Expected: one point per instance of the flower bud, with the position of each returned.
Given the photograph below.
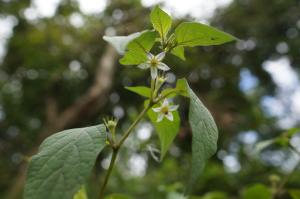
(161, 78)
(111, 125)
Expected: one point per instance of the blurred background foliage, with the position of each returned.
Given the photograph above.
(50, 66)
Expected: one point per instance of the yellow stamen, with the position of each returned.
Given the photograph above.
(165, 110)
(153, 62)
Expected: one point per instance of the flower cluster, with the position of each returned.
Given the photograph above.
(154, 62)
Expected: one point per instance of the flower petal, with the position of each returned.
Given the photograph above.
(153, 72)
(160, 56)
(169, 116)
(150, 56)
(165, 103)
(143, 66)
(173, 107)
(156, 109)
(160, 117)
(163, 66)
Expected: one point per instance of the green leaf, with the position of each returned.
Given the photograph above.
(179, 52)
(118, 196)
(196, 34)
(120, 42)
(204, 136)
(294, 193)
(161, 21)
(141, 90)
(138, 48)
(63, 163)
(257, 191)
(81, 194)
(166, 130)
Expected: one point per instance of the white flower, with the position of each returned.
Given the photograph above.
(154, 63)
(165, 110)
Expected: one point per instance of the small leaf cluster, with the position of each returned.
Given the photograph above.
(187, 34)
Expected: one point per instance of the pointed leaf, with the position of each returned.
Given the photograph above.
(166, 130)
(204, 136)
(138, 48)
(120, 42)
(63, 163)
(197, 34)
(161, 21)
(141, 90)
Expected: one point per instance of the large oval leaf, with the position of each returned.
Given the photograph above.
(204, 136)
(63, 162)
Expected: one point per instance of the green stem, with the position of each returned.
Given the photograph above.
(152, 88)
(136, 121)
(117, 147)
(109, 171)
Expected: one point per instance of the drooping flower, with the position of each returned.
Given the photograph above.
(154, 62)
(165, 110)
